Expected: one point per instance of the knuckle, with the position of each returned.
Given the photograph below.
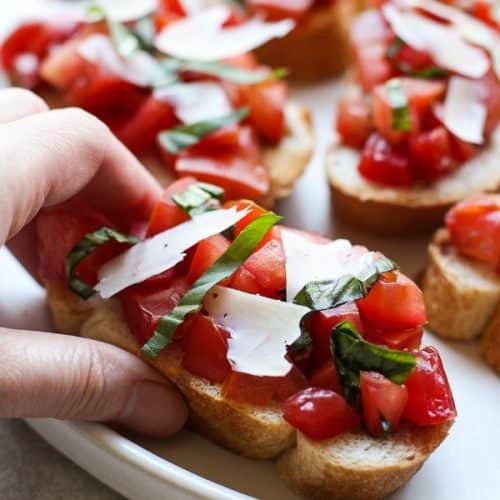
(28, 100)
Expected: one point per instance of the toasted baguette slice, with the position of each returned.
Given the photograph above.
(318, 47)
(352, 465)
(460, 295)
(285, 161)
(405, 211)
(490, 343)
(251, 431)
(356, 466)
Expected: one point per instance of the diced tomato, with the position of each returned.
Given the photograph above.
(321, 324)
(141, 129)
(166, 213)
(474, 228)
(245, 281)
(325, 376)
(205, 350)
(254, 211)
(483, 10)
(238, 171)
(266, 102)
(206, 253)
(385, 164)
(267, 265)
(34, 39)
(144, 305)
(489, 90)
(421, 95)
(430, 401)
(381, 399)
(354, 122)
(174, 6)
(408, 59)
(372, 65)
(223, 138)
(276, 10)
(462, 151)
(261, 391)
(320, 413)
(432, 154)
(394, 303)
(59, 230)
(408, 339)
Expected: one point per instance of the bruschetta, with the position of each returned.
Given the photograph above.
(285, 344)
(205, 107)
(417, 129)
(461, 285)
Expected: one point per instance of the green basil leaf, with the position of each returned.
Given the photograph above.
(199, 198)
(124, 40)
(319, 295)
(223, 71)
(352, 354)
(237, 253)
(83, 249)
(429, 73)
(179, 138)
(394, 48)
(144, 30)
(399, 104)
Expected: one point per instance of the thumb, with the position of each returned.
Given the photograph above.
(59, 376)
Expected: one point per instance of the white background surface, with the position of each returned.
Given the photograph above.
(466, 466)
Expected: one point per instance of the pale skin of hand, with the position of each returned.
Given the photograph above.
(46, 158)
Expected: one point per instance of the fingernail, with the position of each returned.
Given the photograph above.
(154, 409)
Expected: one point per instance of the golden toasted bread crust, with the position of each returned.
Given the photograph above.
(490, 343)
(460, 295)
(318, 47)
(405, 211)
(357, 466)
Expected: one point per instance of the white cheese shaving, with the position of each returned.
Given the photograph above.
(161, 252)
(309, 261)
(194, 102)
(260, 328)
(139, 68)
(202, 36)
(129, 10)
(444, 43)
(191, 7)
(464, 111)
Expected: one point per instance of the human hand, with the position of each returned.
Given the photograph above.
(46, 158)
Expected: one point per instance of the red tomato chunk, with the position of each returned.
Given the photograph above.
(320, 413)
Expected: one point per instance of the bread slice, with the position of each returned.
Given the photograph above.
(318, 48)
(490, 343)
(352, 465)
(461, 295)
(285, 161)
(357, 466)
(405, 211)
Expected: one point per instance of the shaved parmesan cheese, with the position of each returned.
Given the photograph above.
(139, 68)
(191, 7)
(443, 43)
(202, 36)
(129, 10)
(99, 49)
(195, 102)
(260, 328)
(464, 110)
(161, 252)
(309, 261)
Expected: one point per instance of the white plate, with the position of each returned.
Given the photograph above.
(466, 466)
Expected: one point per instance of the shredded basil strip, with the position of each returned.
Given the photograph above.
(124, 40)
(237, 253)
(352, 354)
(224, 71)
(199, 198)
(144, 30)
(179, 138)
(399, 104)
(320, 295)
(83, 249)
